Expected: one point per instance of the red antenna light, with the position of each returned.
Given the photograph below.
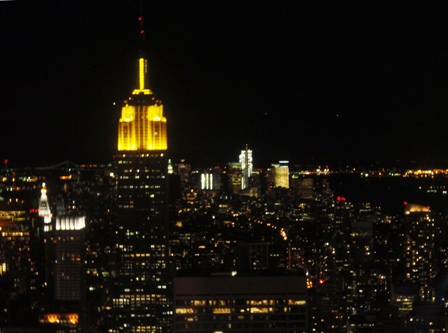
(142, 32)
(140, 18)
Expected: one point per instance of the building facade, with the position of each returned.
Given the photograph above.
(280, 174)
(142, 291)
(245, 159)
(419, 250)
(256, 303)
(68, 266)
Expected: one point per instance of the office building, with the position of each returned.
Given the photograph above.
(234, 303)
(253, 256)
(233, 173)
(280, 174)
(419, 250)
(142, 295)
(18, 266)
(63, 270)
(68, 267)
(210, 179)
(246, 167)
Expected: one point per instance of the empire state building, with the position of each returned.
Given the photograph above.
(142, 291)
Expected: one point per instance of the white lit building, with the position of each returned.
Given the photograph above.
(44, 208)
(69, 245)
(246, 167)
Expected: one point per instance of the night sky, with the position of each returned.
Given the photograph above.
(305, 81)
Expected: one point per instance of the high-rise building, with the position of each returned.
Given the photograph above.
(69, 243)
(246, 167)
(63, 269)
(63, 308)
(233, 171)
(419, 248)
(211, 179)
(142, 295)
(18, 268)
(280, 174)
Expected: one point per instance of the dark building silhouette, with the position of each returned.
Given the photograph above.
(241, 303)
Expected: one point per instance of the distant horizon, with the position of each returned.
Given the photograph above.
(338, 165)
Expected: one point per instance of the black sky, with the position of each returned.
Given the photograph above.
(301, 80)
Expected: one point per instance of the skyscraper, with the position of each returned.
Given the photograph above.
(280, 174)
(419, 250)
(68, 243)
(142, 295)
(246, 167)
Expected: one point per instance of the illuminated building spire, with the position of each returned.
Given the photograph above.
(142, 66)
(142, 126)
(44, 207)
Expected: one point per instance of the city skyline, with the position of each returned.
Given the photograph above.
(145, 245)
(321, 82)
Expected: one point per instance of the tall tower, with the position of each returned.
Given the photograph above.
(246, 167)
(142, 298)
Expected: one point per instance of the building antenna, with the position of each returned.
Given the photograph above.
(142, 67)
(142, 28)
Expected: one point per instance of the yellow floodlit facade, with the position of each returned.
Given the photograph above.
(142, 126)
(415, 208)
(60, 318)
